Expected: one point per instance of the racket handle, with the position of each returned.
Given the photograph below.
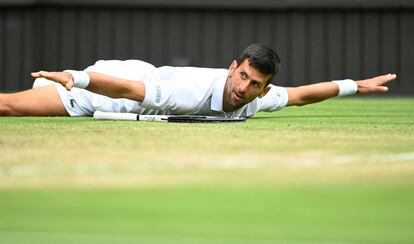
(114, 116)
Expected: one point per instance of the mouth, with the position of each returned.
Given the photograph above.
(237, 97)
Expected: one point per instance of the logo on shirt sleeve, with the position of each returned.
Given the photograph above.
(158, 94)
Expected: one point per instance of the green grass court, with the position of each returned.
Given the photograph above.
(340, 172)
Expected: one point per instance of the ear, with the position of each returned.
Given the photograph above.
(233, 66)
(265, 91)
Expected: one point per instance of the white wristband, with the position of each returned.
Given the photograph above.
(81, 79)
(346, 87)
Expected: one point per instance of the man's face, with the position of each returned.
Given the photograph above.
(244, 83)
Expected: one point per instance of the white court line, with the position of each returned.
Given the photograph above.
(402, 156)
(397, 157)
(30, 170)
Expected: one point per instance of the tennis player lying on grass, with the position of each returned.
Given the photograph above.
(139, 87)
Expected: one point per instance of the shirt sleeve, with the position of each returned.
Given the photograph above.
(275, 99)
(177, 95)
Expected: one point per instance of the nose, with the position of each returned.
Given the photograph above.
(243, 87)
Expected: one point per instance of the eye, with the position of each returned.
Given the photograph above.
(243, 75)
(256, 84)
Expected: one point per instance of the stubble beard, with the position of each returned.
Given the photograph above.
(228, 103)
(232, 103)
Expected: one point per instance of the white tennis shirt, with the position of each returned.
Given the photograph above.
(179, 90)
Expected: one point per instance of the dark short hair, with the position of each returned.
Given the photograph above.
(262, 58)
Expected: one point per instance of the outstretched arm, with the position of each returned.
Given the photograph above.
(318, 92)
(99, 83)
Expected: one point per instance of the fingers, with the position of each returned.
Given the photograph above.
(390, 77)
(376, 89)
(63, 78)
(42, 74)
(385, 79)
(69, 86)
(393, 76)
(375, 84)
(382, 89)
(36, 74)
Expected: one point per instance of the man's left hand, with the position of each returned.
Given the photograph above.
(375, 84)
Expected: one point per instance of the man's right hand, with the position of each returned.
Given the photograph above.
(63, 78)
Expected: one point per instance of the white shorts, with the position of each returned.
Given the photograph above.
(80, 102)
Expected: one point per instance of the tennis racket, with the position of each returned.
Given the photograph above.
(165, 118)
